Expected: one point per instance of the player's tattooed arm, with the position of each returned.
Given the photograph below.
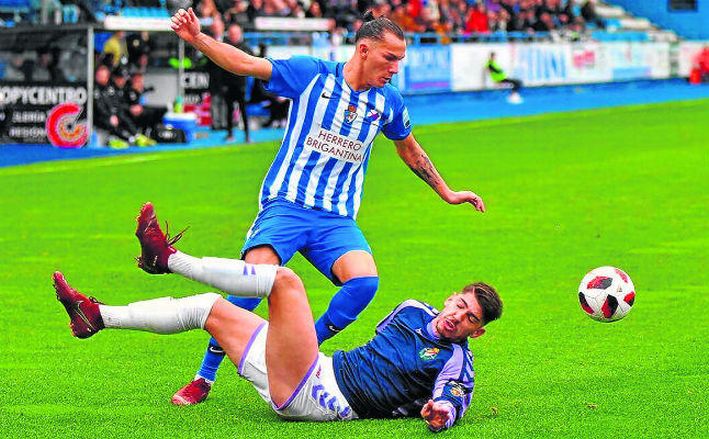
(416, 158)
(422, 166)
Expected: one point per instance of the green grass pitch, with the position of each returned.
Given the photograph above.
(565, 193)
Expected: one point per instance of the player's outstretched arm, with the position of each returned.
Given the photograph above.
(415, 157)
(186, 26)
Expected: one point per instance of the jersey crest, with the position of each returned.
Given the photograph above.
(427, 354)
(350, 114)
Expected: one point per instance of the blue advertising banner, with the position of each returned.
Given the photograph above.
(427, 68)
(541, 64)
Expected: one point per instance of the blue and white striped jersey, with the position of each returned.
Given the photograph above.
(324, 154)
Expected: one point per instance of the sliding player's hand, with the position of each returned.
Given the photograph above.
(435, 415)
(467, 197)
(185, 24)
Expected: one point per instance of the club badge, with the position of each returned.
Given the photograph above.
(428, 353)
(350, 114)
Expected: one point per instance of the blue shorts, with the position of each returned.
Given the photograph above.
(321, 237)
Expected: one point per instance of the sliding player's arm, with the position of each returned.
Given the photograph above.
(186, 26)
(416, 158)
(452, 392)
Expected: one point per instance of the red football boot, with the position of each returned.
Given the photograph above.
(85, 317)
(156, 246)
(193, 393)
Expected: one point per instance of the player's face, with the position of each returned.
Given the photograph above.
(460, 318)
(381, 58)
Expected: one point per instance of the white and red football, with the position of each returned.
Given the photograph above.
(606, 294)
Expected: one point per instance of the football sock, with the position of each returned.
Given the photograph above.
(346, 305)
(214, 355)
(232, 276)
(166, 315)
(212, 360)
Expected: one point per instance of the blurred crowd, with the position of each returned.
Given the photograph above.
(445, 17)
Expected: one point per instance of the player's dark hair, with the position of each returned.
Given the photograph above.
(488, 299)
(374, 28)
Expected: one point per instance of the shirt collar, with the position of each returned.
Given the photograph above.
(428, 330)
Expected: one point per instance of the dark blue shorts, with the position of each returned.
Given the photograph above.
(321, 237)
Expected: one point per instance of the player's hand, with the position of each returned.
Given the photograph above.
(113, 120)
(466, 197)
(185, 24)
(435, 415)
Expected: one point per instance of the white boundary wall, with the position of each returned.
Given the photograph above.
(688, 52)
(460, 67)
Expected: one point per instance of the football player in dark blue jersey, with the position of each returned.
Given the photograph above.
(417, 364)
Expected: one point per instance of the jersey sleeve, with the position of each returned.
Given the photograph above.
(290, 77)
(454, 385)
(399, 126)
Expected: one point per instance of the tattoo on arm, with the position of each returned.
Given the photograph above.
(423, 167)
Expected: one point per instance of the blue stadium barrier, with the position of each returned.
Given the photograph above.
(15, 6)
(144, 12)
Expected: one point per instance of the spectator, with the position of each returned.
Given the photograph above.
(477, 20)
(146, 118)
(45, 68)
(239, 13)
(255, 9)
(511, 6)
(567, 15)
(139, 48)
(114, 50)
(702, 64)
(500, 77)
(501, 22)
(588, 12)
(236, 86)
(278, 106)
(217, 87)
(106, 110)
(544, 24)
(314, 10)
(206, 8)
(19, 68)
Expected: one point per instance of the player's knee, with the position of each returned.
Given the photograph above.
(287, 279)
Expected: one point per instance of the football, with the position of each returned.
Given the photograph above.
(606, 294)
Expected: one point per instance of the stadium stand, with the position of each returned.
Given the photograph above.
(429, 21)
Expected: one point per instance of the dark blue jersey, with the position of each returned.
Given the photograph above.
(405, 365)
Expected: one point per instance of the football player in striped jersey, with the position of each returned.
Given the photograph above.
(311, 194)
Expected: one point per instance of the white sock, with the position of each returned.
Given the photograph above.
(166, 315)
(232, 276)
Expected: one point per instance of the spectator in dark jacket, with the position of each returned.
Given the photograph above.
(236, 85)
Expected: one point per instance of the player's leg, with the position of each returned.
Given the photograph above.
(342, 253)
(241, 101)
(291, 342)
(198, 389)
(234, 327)
(229, 117)
(165, 315)
(357, 272)
(272, 228)
(272, 239)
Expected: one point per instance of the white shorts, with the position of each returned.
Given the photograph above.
(317, 397)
